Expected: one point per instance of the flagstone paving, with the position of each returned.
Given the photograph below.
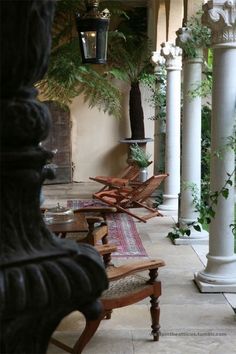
(191, 322)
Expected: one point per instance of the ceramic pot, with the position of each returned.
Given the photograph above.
(143, 174)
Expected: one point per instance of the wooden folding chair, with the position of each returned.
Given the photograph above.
(124, 198)
(130, 173)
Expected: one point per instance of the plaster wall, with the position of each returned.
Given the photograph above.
(95, 135)
(194, 6)
(175, 19)
(161, 25)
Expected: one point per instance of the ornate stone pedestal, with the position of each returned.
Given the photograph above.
(42, 278)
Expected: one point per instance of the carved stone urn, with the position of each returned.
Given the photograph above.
(42, 278)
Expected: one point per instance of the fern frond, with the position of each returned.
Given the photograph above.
(67, 78)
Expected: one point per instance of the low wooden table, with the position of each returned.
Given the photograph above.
(85, 226)
(79, 224)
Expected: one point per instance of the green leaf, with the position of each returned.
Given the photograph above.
(140, 156)
(225, 193)
(211, 212)
(201, 220)
(188, 232)
(119, 74)
(197, 227)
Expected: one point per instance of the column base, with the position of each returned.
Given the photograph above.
(218, 276)
(189, 240)
(214, 288)
(170, 202)
(195, 238)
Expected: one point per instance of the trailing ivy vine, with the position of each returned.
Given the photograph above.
(199, 36)
(206, 211)
(156, 82)
(205, 205)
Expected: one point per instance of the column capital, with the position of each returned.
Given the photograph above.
(220, 16)
(173, 56)
(157, 58)
(191, 49)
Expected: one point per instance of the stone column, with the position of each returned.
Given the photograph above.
(173, 56)
(220, 272)
(191, 142)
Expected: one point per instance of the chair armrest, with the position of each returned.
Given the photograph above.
(106, 252)
(106, 249)
(111, 181)
(115, 273)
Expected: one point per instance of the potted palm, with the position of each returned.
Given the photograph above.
(130, 61)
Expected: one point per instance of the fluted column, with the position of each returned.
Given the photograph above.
(191, 142)
(220, 272)
(173, 57)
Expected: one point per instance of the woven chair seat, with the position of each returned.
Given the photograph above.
(126, 286)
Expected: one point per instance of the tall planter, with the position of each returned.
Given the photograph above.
(136, 112)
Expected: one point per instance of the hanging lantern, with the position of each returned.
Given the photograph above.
(92, 28)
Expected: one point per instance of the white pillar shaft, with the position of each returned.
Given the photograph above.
(223, 120)
(191, 139)
(172, 154)
(173, 56)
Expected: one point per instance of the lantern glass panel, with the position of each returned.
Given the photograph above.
(102, 47)
(89, 41)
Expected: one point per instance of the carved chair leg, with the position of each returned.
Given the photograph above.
(155, 315)
(107, 259)
(108, 314)
(88, 332)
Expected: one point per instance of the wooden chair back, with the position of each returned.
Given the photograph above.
(131, 172)
(145, 190)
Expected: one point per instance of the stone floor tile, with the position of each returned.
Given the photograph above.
(231, 298)
(104, 342)
(198, 316)
(185, 343)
